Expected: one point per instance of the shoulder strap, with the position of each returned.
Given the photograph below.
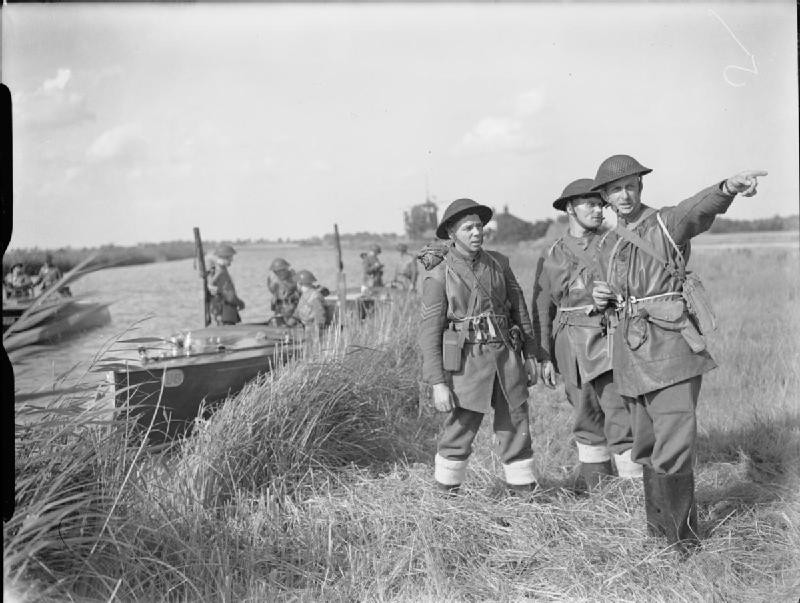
(582, 258)
(634, 239)
(681, 259)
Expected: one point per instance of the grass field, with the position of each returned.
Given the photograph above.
(316, 484)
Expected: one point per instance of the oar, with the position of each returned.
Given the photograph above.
(69, 277)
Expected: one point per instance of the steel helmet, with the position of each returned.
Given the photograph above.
(279, 264)
(224, 251)
(458, 208)
(402, 247)
(306, 277)
(582, 187)
(616, 167)
(375, 248)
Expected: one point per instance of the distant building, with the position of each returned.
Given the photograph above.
(508, 228)
(421, 220)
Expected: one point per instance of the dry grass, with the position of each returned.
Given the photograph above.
(315, 484)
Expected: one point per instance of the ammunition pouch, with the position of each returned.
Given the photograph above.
(698, 304)
(669, 315)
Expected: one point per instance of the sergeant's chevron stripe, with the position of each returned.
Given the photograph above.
(429, 311)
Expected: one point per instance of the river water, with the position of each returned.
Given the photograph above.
(163, 298)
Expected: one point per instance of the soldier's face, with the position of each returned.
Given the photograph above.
(468, 231)
(587, 211)
(624, 195)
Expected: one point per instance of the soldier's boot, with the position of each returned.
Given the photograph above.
(671, 509)
(449, 474)
(593, 474)
(519, 476)
(627, 468)
(595, 464)
(652, 503)
(679, 511)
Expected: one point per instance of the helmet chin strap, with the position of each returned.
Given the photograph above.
(462, 247)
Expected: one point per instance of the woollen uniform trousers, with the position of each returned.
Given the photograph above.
(664, 426)
(511, 427)
(601, 416)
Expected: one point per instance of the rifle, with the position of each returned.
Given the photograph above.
(201, 267)
(341, 281)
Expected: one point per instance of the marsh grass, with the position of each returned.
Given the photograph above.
(314, 483)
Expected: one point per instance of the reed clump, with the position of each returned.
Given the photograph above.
(315, 483)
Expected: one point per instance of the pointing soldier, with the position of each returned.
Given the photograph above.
(578, 336)
(659, 353)
(225, 304)
(474, 332)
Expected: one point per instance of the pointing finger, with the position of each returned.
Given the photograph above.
(753, 173)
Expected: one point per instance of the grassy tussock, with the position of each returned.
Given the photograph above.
(315, 484)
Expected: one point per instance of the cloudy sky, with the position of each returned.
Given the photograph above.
(136, 122)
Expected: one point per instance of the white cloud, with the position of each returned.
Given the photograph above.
(59, 82)
(54, 104)
(320, 165)
(122, 143)
(530, 102)
(510, 133)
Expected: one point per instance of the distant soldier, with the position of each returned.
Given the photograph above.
(405, 273)
(311, 307)
(49, 275)
(17, 284)
(565, 320)
(477, 349)
(283, 286)
(659, 353)
(225, 304)
(372, 269)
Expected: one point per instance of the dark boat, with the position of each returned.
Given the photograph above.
(51, 321)
(166, 387)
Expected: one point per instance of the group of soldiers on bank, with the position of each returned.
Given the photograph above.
(614, 312)
(297, 297)
(18, 285)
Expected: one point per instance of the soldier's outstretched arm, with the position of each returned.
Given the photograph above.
(696, 214)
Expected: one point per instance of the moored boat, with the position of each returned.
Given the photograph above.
(49, 322)
(169, 384)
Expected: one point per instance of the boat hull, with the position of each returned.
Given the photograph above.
(55, 322)
(166, 395)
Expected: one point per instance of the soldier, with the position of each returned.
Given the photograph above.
(659, 353)
(17, 284)
(225, 304)
(49, 275)
(282, 285)
(405, 272)
(311, 307)
(372, 269)
(474, 332)
(563, 289)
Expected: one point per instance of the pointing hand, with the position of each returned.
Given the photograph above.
(744, 183)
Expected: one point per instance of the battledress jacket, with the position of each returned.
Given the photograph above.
(575, 340)
(311, 309)
(446, 293)
(226, 301)
(650, 350)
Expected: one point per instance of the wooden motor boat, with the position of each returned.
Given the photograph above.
(166, 387)
(51, 321)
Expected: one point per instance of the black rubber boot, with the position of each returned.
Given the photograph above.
(594, 473)
(652, 504)
(671, 510)
(448, 490)
(521, 489)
